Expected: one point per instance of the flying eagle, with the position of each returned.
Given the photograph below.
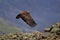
(25, 16)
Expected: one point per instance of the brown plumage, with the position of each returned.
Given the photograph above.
(25, 15)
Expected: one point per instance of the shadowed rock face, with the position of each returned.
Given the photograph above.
(27, 18)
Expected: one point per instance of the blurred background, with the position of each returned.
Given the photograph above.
(44, 12)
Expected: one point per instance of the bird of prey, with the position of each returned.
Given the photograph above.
(26, 17)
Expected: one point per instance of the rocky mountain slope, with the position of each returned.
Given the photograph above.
(50, 33)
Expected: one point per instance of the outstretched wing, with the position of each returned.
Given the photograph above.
(26, 17)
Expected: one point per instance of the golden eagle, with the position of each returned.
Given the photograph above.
(25, 16)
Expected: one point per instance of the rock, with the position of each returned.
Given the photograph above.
(58, 32)
(48, 29)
